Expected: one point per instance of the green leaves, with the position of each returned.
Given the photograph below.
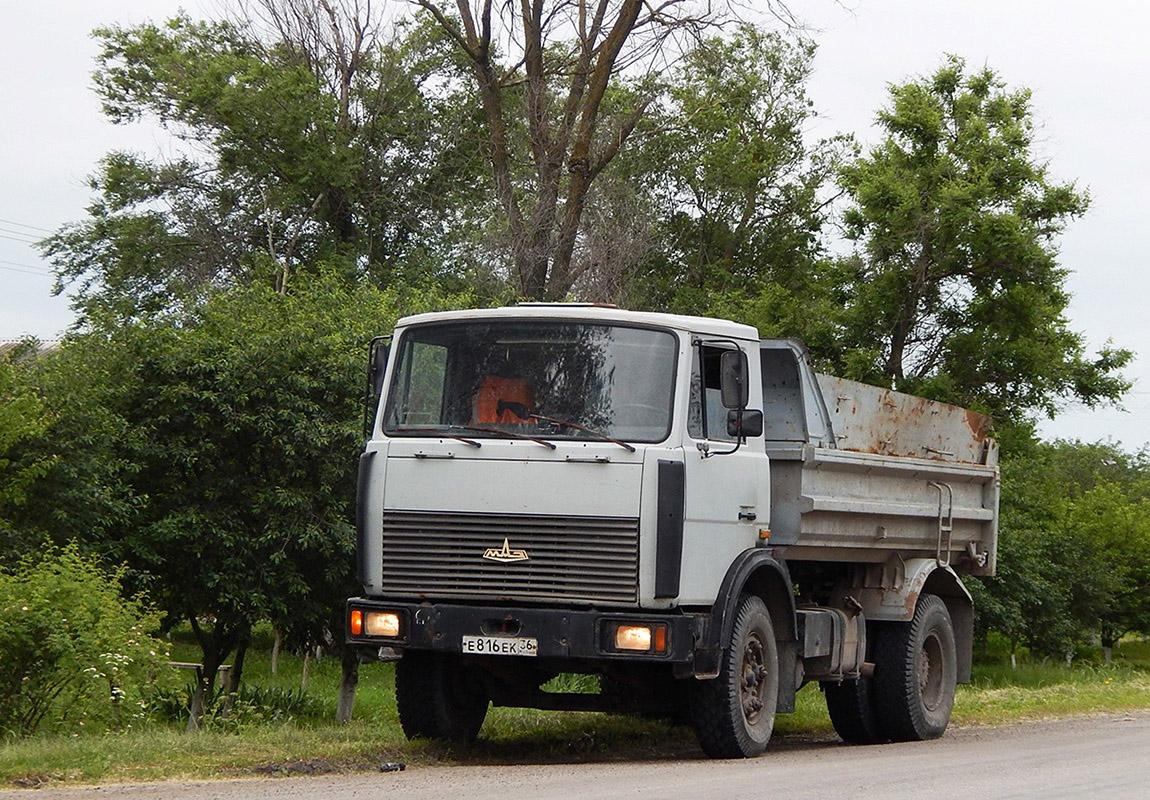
(737, 190)
(23, 419)
(290, 151)
(1074, 548)
(76, 652)
(958, 283)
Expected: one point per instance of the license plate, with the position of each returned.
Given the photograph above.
(501, 645)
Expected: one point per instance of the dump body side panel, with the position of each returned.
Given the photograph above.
(862, 507)
(860, 474)
(869, 419)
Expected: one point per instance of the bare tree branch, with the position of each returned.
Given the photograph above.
(561, 58)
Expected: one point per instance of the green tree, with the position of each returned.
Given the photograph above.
(300, 137)
(958, 293)
(23, 423)
(1074, 548)
(1110, 540)
(741, 196)
(230, 434)
(563, 89)
(1028, 601)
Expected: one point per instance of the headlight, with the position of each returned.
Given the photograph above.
(633, 637)
(641, 638)
(382, 623)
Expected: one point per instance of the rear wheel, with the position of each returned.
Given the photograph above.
(852, 710)
(734, 714)
(439, 697)
(916, 668)
(851, 703)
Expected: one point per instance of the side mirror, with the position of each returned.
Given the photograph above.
(376, 368)
(377, 363)
(733, 375)
(744, 423)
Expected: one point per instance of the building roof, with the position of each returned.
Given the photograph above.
(28, 348)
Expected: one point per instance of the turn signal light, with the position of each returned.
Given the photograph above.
(356, 622)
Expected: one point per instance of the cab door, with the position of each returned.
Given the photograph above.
(727, 483)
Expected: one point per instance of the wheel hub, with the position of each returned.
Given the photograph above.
(930, 680)
(754, 675)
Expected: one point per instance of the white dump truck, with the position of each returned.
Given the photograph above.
(668, 502)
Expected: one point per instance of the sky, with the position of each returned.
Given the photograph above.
(1086, 65)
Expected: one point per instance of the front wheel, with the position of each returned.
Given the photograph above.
(734, 714)
(439, 697)
(916, 669)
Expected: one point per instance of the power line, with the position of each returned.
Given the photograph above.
(27, 271)
(29, 234)
(19, 234)
(17, 239)
(45, 270)
(25, 225)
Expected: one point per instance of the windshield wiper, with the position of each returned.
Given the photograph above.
(512, 434)
(524, 413)
(585, 429)
(440, 432)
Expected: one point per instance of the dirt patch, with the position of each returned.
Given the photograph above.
(309, 766)
(35, 781)
(322, 766)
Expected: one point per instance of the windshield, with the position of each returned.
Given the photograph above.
(553, 380)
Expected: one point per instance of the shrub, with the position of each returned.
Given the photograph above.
(74, 653)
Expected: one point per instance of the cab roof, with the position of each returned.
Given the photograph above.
(586, 312)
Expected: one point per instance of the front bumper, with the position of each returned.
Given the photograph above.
(563, 634)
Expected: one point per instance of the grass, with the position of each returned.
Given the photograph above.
(999, 694)
(311, 744)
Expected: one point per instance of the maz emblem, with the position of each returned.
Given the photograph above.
(505, 554)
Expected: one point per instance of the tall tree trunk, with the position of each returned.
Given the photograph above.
(276, 645)
(1109, 640)
(196, 709)
(205, 688)
(581, 166)
(215, 647)
(348, 681)
(238, 664)
(236, 673)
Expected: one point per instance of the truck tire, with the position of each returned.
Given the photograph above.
(438, 697)
(851, 703)
(734, 714)
(851, 707)
(916, 667)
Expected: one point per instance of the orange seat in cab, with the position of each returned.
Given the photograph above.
(494, 395)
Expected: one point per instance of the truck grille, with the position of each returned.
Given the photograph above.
(440, 555)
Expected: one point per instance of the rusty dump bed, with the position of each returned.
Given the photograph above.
(861, 473)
